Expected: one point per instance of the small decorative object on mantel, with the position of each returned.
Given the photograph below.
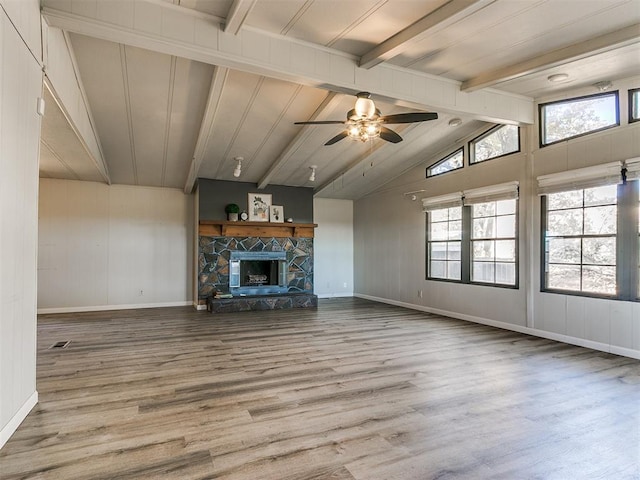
(289, 220)
(232, 212)
(259, 204)
(244, 216)
(276, 214)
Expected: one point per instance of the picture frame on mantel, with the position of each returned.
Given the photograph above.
(276, 214)
(259, 205)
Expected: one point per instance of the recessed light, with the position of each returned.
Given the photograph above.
(558, 77)
(455, 122)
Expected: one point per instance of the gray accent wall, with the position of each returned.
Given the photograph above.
(216, 194)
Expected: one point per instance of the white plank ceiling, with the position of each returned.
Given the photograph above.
(179, 89)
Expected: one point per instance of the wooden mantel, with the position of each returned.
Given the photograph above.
(223, 228)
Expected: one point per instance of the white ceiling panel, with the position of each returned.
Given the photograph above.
(148, 106)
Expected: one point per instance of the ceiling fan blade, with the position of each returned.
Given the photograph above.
(389, 135)
(337, 138)
(322, 122)
(409, 117)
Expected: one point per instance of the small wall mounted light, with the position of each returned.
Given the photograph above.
(238, 170)
(312, 176)
(603, 86)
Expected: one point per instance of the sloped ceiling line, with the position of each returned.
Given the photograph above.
(218, 81)
(100, 162)
(127, 98)
(296, 17)
(60, 159)
(357, 22)
(167, 129)
(328, 103)
(239, 128)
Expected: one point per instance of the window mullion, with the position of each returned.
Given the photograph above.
(465, 253)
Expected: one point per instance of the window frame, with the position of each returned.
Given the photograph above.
(542, 123)
(627, 246)
(631, 93)
(515, 239)
(442, 160)
(429, 242)
(465, 251)
(495, 128)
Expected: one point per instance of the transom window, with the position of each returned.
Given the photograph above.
(580, 243)
(634, 105)
(572, 118)
(447, 164)
(497, 142)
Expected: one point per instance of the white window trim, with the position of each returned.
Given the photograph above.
(442, 201)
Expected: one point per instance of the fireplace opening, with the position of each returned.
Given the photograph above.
(258, 273)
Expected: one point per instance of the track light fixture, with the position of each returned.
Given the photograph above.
(312, 176)
(238, 169)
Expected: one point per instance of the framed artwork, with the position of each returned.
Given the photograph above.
(259, 204)
(276, 214)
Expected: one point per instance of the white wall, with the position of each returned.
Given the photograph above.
(20, 87)
(390, 237)
(333, 248)
(113, 246)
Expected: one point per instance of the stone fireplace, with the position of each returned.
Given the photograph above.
(238, 258)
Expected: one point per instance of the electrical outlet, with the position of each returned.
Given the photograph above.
(419, 293)
(141, 293)
(344, 284)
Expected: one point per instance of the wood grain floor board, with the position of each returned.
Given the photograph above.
(354, 390)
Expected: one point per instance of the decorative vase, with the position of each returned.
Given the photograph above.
(232, 217)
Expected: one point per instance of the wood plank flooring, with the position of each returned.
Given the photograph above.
(355, 390)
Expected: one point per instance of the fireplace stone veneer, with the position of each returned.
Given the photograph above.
(214, 257)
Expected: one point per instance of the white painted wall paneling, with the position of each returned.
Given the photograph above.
(20, 86)
(333, 247)
(116, 246)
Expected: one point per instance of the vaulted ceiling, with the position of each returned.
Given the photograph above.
(177, 90)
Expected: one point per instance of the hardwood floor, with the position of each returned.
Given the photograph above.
(354, 390)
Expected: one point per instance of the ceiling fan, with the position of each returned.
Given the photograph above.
(365, 122)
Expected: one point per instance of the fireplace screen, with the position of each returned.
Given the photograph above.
(258, 273)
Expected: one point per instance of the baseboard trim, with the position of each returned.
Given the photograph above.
(13, 424)
(99, 308)
(580, 342)
(335, 295)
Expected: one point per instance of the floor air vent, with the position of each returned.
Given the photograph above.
(64, 344)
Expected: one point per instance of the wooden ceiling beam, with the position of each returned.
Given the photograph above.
(237, 16)
(218, 81)
(448, 14)
(578, 51)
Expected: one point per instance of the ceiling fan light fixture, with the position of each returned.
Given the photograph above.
(238, 170)
(365, 108)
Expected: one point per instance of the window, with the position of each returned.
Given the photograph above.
(497, 142)
(444, 240)
(634, 105)
(493, 242)
(447, 164)
(580, 243)
(472, 236)
(572, 118)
